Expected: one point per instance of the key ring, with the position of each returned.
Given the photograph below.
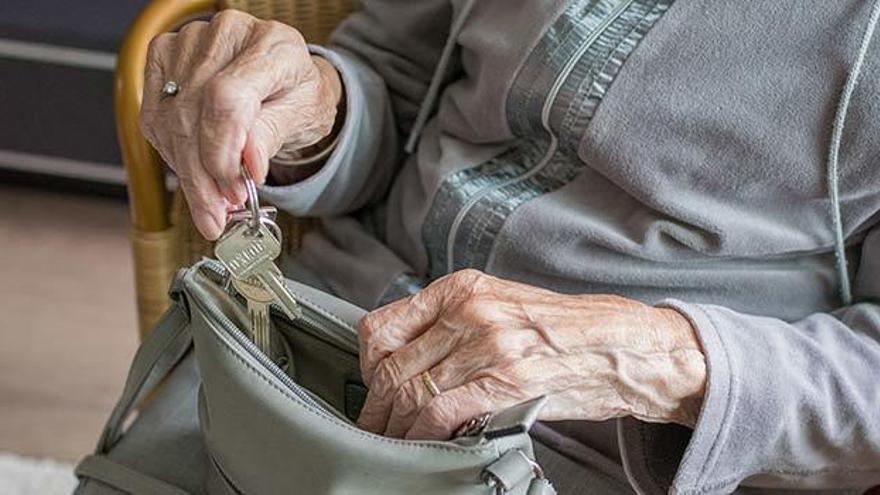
(253, 201)
(276, 230)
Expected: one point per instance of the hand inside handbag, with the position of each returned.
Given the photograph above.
(286, 423)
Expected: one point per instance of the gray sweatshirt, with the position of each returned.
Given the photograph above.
(715, 156)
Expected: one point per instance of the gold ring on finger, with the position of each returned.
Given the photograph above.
(430, 385)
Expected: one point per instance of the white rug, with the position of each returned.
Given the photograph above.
(26, 476)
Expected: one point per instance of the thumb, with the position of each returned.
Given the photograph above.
(259, 147)
(264, 139)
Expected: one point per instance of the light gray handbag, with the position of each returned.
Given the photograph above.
(229, 420)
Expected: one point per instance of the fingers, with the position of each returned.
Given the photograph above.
(396, 380)
(265, 137)
(235, 96)
(414, 395)
(206, 204)
(159, 55)
(388, 328)
(187, 53)
(439, 419)
(408, 401)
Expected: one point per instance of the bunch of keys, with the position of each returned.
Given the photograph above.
(248, 250)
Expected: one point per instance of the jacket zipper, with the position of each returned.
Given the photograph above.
(570, 65)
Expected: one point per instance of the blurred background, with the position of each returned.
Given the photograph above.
(68, 325)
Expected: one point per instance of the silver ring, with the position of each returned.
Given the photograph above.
(276, 230)
(170, 88)
(253, 201)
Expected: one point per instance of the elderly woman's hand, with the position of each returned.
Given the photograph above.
(246, 87)
(490, 343)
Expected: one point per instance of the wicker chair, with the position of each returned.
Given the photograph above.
(163, 236)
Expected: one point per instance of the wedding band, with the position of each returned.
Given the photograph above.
(430, 385)
(170, 88)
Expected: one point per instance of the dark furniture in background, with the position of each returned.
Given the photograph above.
(56, 89)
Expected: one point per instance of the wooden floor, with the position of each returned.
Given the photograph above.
(67, 319)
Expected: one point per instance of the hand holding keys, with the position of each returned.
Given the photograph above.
(248, 250)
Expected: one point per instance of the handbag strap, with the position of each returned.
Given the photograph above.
(110, 472)
(157, 356)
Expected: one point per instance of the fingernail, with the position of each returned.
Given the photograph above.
(256, 168)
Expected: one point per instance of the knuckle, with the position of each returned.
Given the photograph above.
(326, 127)
(231, 17)
(159, 46)
(192, 28)
(387, 374)
(368, 326)
(469, 274)
(438, 414)
(473, 310)
(275, 29)
(406, 399)
(462, 281)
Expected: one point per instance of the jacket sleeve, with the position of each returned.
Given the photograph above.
(385, 54)
(787, 404)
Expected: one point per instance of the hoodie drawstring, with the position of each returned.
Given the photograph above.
(437, 79)
(834, 156)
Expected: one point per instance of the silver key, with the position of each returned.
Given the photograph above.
(272, 280)
(258, 301)
(242, 250)
(245, 253)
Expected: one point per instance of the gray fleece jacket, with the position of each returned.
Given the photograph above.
(709, 155)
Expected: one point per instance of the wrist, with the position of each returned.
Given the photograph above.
(331, 84)
(688, 366)
(295, 162)
(661, 377)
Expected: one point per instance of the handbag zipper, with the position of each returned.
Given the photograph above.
(313, 320)
(569, 66)
(217, 274)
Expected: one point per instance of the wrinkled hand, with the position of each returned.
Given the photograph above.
(247, 87)
(490, 344)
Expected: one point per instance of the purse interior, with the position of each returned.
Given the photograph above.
(305, 350)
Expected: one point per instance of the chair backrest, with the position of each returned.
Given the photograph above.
(163, 238)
